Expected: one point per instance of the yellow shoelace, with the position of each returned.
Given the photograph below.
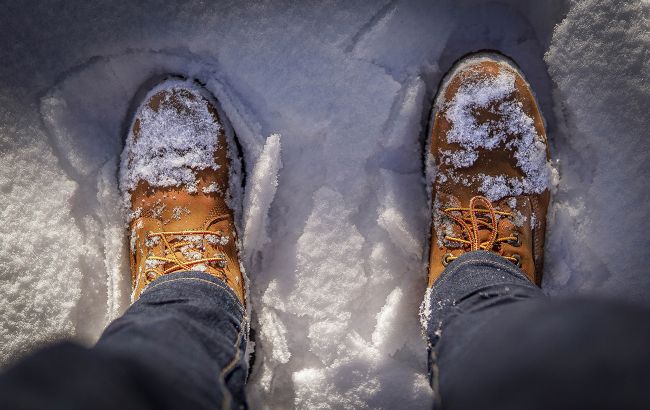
(170, 249)
(472, 219)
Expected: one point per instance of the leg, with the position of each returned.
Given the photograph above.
(192, 326)
(496, 342)
(181, 344)
(188, 354)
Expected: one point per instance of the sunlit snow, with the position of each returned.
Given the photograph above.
(336, 209)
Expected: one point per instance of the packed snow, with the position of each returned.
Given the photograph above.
(335, 209)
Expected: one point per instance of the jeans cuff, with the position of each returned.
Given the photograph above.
(478, 272)
(474, 270)
(196, 279)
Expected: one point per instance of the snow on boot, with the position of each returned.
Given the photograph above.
(488, 167)
(179, 177)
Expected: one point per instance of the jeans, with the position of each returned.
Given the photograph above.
(180, 346)
(495, 342)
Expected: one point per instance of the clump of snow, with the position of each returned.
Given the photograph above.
(497, 187)
(201, 267)
(217, 239)
(115, 259)
(179, 211)
(275, 330)
(263, 183)
(150, 242)
(386, 336)
(213, 187)
(529, 149)
(350, 91)
(173, 142)
(153, 263)
(480, 93)
(459, 159)
(425, 310)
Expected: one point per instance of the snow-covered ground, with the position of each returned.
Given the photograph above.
(335, 254)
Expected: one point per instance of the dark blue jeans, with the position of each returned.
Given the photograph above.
(180, 346)
(496, 342)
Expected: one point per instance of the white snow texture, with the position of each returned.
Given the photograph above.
(335, 215)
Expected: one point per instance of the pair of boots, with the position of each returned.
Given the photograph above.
(487, 165)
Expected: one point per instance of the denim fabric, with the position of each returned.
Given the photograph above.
(472, 281)
(496, 342)
(180, 346)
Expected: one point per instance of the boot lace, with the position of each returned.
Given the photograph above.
(183, 250)
(472, 220)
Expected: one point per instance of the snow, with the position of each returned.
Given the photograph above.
(483, 93)
(598, 59)
(172, 144)
(336, 210)
(213, 187)
(262, 185)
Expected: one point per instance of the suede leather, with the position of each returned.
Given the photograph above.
(200, 211)
(499, 161)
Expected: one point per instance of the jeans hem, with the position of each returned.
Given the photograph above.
(478, 258)
(197, 277)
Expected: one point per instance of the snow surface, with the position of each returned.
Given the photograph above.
(335, 250)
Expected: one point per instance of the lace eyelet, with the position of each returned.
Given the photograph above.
(517, 259)
(151, 276)
(447, 259)
(517, 241)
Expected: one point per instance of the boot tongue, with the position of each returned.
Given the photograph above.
(484, 235)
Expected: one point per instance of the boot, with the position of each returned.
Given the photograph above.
(179, 176)
(488, 167)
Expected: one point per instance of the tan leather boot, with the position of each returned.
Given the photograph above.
(176, 174)
(488, 167)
